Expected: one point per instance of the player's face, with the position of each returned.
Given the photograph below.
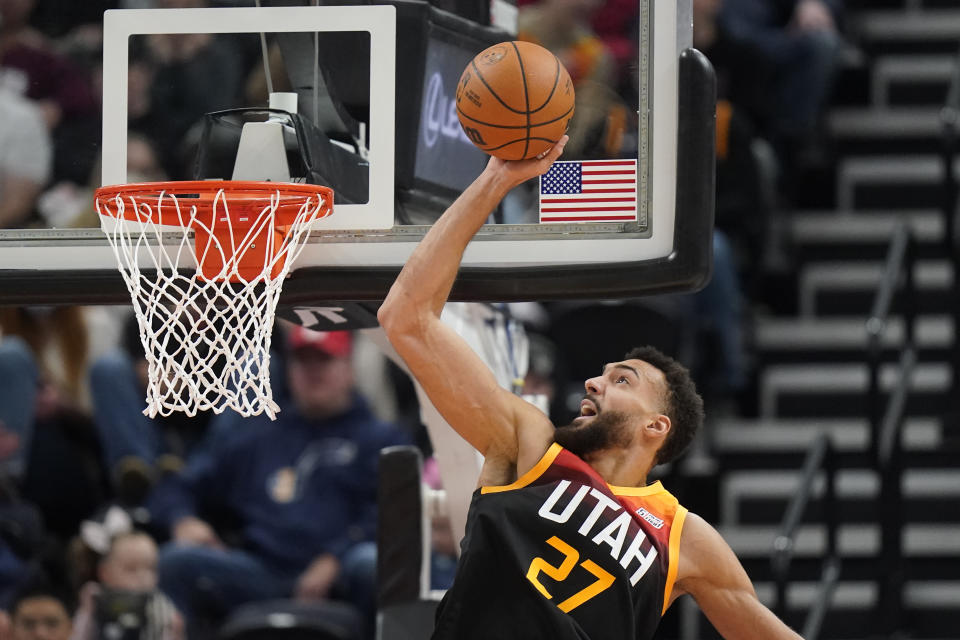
(634, 387)
(625, 395)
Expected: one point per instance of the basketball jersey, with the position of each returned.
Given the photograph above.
(560, 554)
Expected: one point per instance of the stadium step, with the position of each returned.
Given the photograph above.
(910, 80)
(844, 339)
(890, 182)
(930, 31)
(931, 608)
(781, 443)
(861, 235)
(758, 497)
(807, 390)
(848, 287)
(904, 130)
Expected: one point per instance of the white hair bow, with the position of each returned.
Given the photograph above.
(99, 536)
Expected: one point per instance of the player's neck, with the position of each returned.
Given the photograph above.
(622, 467)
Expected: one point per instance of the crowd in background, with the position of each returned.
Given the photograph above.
(104, 511)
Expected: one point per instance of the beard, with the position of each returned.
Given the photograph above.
(608, 430)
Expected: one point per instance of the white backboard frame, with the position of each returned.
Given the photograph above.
(378, 20)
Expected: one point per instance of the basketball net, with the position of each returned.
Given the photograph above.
(205, 281)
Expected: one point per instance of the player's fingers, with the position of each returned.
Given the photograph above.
(556, 149)
(554, 152)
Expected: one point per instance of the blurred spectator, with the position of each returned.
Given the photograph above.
(188, 75)
(40, 612)
(59, 340)
(31, 67)
(616, 22)
(717, 313)
(20, 378)
(69, 205)
(136, 448)
(22, 538)
(115, 567)
(43, 405)
(300, 492)
(25, 158)
(601, 118)
(794, 48)
(55, 18)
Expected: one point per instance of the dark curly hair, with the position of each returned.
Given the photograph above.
(684, 406)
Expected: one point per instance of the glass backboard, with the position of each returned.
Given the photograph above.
(375, 87)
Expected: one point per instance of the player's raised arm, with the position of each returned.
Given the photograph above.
(710, 572)
(458, 382)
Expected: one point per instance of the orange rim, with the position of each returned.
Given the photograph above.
(203, 195)
(242, 204)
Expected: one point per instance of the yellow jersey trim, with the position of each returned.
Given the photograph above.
(648, 490)
(673, 555)
(535, 472)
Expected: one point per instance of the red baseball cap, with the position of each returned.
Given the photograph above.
(333, 343)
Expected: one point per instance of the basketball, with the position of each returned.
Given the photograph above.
(515, 100)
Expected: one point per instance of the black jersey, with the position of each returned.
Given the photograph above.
(560, 554)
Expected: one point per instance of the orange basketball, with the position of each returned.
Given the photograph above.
(515, 100)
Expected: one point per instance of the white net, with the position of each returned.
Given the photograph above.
(203, 297)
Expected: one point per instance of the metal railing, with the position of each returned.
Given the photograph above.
(887, 417)
(901, 260)
(950, 208)
(820, 456)
(950, 141)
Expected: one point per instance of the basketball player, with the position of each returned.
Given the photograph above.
(564, 539)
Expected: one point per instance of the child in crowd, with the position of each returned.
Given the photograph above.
(117, 566)
(38, 612)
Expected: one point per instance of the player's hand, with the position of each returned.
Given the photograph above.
(315, 583)
(195, 532)
(515, 172)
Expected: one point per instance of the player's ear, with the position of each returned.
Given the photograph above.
(660, 426)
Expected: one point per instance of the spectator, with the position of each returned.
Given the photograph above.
(189, 75)
(40, 613)
(22, 538)
(600, 119)
(25, 158)
(59, 341)
(55, 18)
(301, 490)
(117, 568)
(799, 42)
(30, 67)
(136, 449)
(18, 371)
(616, 22)
(43, 356)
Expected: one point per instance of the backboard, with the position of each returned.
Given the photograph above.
(375, 86)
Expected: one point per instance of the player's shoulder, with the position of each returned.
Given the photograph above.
(701, 548)
(698, 534)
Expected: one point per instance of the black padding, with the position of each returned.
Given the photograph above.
(409, 621)
(400, 526)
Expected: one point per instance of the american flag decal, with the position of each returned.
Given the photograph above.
(589, 191)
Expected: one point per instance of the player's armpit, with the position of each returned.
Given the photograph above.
(711, 573)
(466, 393)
